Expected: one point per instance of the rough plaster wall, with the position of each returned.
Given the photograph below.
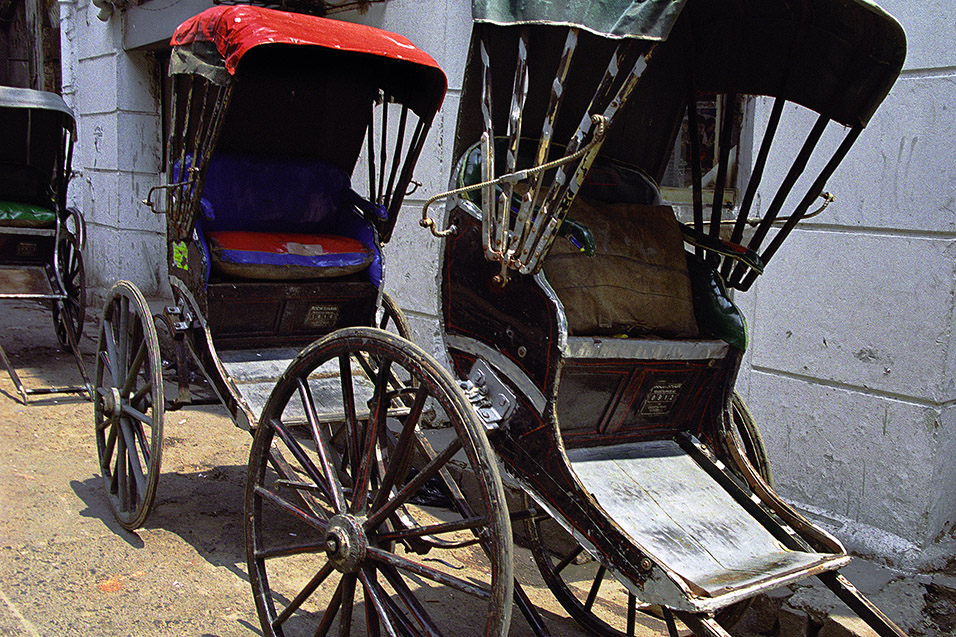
(117, 156)
(850, 372)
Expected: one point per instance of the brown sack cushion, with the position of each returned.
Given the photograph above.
(636, 284)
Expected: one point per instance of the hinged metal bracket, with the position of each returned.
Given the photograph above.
(493, 401)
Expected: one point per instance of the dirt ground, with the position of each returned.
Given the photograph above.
(67, 568)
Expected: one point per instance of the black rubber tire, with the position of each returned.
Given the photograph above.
(128, 405)
(318, 540)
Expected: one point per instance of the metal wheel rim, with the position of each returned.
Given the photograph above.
(396, 610)
(133, 429)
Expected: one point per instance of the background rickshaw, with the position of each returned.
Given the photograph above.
(592, 356)
(41, 238)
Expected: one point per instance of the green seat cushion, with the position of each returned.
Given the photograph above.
(24, 215)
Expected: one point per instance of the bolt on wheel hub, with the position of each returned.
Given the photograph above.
(346, 543)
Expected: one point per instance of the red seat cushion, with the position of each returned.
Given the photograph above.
(286, 255)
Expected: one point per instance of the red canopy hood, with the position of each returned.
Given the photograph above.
(234, 30)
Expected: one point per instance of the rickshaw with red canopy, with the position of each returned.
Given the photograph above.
(269, 246)
(593, 357)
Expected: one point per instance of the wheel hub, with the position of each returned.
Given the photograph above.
(346, 543)
(112, 404)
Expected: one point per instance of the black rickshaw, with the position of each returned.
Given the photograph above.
(41, 238)
(593, 357)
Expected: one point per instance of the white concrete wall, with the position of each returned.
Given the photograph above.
(851, 368)
(117, 155)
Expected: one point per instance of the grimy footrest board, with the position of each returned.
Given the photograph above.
(674, 511)
(256, 371)
(30, 281)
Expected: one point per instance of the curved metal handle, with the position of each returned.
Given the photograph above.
(148, 202)
(600, 123)
(753, 222)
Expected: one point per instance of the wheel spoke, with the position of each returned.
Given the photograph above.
(471, 523)
(108, 444)
(144, 447)
(348, 598)
(137, 415)
(330, 611)
(123, 343)
(570, 557)
(133, 371)
(427, 473)
(381, 555)
(135, 467)
(405, 626)
(304, 594)
(108, 448)
(292, 549)
(119, 475)
(288, 507)
(376, 422)
(458, 498)
(110, 361)
(102, 423)
(375, 592)
(411, 602)
(402, 449)
(595, 587)
(143, 392)
(322, 446)
(371, 619)
(631, 614)
(300, 455)
(351, 418)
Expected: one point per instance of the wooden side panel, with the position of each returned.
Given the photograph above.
(518, 319)
(613, 401)
(254, 314)
(25, 249)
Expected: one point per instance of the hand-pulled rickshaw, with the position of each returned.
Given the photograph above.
(40, 237)
(591, 359)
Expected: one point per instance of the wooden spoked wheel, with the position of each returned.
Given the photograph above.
(128, 405)
(340, 539)
(71, 311)
(589, 592)
(746, 428)
(391, 318)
